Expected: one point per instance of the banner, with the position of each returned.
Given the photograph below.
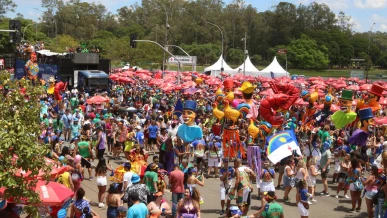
(45, 70)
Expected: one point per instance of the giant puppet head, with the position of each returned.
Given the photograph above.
(189, 112)
(346, 100)
(309, 97)
(374, 95)
(33, 57)
(228, 86)
(366, 119)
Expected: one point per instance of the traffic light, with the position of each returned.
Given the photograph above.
(133, 38)
(15, 37)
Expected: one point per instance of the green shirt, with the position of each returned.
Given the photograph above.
(324, 135)
(74, 101)
(150, 177)
(58, 126)
(272, 210)
(83, 148)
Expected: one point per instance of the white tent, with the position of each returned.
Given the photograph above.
(250, 69)
(275, 68)
(215, 68)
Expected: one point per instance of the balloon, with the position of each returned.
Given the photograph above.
(62, 213)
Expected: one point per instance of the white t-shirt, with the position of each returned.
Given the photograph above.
(127, 178)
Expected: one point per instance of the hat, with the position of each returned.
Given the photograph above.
(376, 89)
(235, 210)
(127, 164)
(158, 194)
(346, 95)
(106, 116)
(190, 105)
(74, 139)
(247, 88)
(138, 127)
(75, 119)
(365, 114)
(135, 178)
(228, 84)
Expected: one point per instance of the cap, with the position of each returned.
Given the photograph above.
(138, 127)
(127, 164)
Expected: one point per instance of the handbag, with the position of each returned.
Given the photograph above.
(305, 204)
(358, 185)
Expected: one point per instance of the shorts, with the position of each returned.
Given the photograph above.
(214, 162)
(303, 211)
(337, 169)
(101, 181)
(245, 199)
(281, 169)
(152, 140)
(85, 163)
(352, 187)
(342, 177)
(267, 186)
(224, 193)
(370, 194)
(118, 144)
(100, 153)
(288, 181)
(311, 182)
(324, 175)
(199, 160)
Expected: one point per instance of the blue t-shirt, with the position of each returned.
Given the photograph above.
(67, 120)
(137, 211)
(140, 137)
(229, 169)
(304, 194)
(346, 148)
(153, 131)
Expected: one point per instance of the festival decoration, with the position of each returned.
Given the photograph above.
(189, 131)
(344, 116)
(310, 109)
(51, 88)
(59, 87)
(261, 131)
(282, 145)
(32, 67)
(360, 136)
(325, 111)
(372, 100)
(247, 90)
(286, 95)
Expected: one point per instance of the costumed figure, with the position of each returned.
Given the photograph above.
(307, 118)
(217, 127)
(344, 116)
(228, 84)
(137, 158)
(51, 88)
(259, 132)
(324, 113)
(189, 131)
(372, 100)
(284, 97)
(59, 87)
(360, 136)
(247, 90)
(32, 67)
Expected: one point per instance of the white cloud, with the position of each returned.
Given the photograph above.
(371, 3)
(333, 4)
(356, 24)
(380, 22)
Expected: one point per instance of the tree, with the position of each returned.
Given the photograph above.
(19, 131)
(61, 43)
(6, 6)
(305, 53)
(382, 61)
(235, 56)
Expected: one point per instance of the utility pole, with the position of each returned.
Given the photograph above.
(369, 58)
(244, 54)
(221, 64)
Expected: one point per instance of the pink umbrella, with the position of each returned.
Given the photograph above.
(353, 87)
(383, 101)
(267, 92)
(334, 107)
(97, 100)
(266, 85)
(300, 101)
(365, 87)
(126, 80)
(381, 121)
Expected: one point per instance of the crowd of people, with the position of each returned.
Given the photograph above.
(138, 122)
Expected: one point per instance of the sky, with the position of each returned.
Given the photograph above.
(363, 12)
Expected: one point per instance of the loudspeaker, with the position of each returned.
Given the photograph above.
(104, 65)
(65, 66)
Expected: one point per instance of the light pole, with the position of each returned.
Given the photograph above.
(221, 64)
(244, 54)
(166, 31)
(36, 30)
(369, 45)
(193, 69)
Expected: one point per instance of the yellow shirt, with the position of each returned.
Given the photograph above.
(65, 179)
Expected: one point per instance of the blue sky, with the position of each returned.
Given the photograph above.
(363, 12)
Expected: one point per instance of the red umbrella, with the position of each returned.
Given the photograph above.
(300, 101)
(340, 85)
(313, 78)
(353, 87)
(383, 101)
(126, 80)
(266, 85)
(381, 121)
(365, 87)
(267, 92)
(97, 100)
(51, 194)
(334, 107)
(56, 170)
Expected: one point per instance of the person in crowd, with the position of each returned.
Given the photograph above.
(355, 185)
(138, 208)
(381, 196)
(100, 175)
(268, 177)
(227, 174)
(242, 188)
(151, 179)
(101, 142)
(113, 201)
(176, 184)
(76, 175)
(67, 119)
(303, 205)
(214, 159)
(85, 150)
(325, 161)
(79, 205)
(371, 188)
(289, 181)
(119, 137)
(127, 178)
(191, 178)
(153, 132)
(345, 166)
(159, 207)
(136, 188)
(189, 206)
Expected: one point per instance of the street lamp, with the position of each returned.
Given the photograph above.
(221, 66)
(193, 67)
(166, 31)
(244, 54)
(36, 30)
(369, 45)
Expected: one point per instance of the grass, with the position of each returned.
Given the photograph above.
(308, 73)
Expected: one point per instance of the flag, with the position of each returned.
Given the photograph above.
(282, 145)
(178, 108)
(272, 74)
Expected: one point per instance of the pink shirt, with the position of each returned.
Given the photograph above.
(176, 180)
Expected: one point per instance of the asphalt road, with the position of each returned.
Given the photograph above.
(325, 206)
